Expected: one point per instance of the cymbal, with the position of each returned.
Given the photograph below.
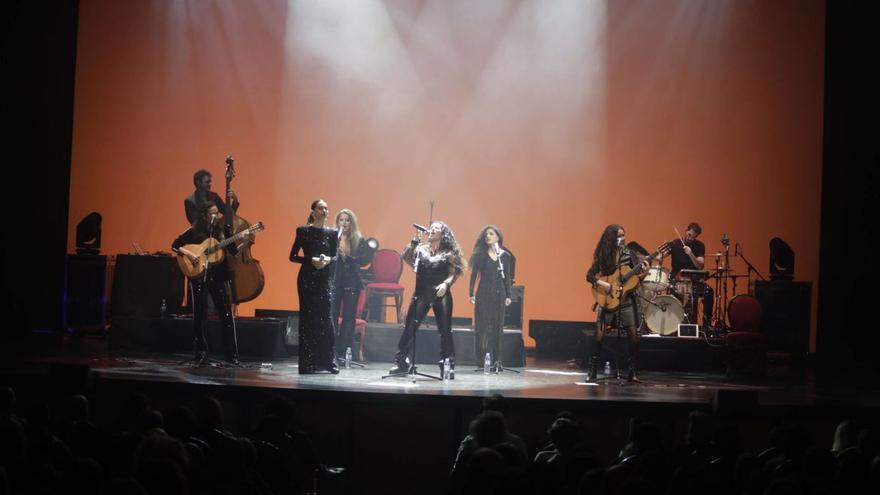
(726, 275)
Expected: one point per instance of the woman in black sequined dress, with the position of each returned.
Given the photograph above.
(437, 263)
(316, 329)
(491, 264)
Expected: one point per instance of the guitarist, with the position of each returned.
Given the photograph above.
(611, 255)
(209, 222)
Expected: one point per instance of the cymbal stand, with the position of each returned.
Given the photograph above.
(749, 267)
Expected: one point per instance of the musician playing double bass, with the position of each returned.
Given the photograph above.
(209, 222)
(202, 180)
(611, 255)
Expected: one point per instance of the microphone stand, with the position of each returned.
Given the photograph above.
(413, 368)
(750, 268)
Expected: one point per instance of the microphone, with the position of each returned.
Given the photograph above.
(497, 249)
(213, 217)
(420, 228)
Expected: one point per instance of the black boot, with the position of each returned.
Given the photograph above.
(201, 356)
(633, 361)
(400, 364)
(594, 368)
(451, 368)
(594, 359)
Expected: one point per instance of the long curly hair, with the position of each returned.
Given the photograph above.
(450, 245)
(606, 249)
(354, 232)
(481, 248)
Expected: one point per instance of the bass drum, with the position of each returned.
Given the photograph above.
(663, 315)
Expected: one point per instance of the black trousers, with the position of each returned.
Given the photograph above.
(220, 294)
(418, 309)
(344, 300)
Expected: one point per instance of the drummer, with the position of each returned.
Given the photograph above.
(689, 253)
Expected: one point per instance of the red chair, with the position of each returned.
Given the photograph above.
(387, 267)
(746, 345)
(360, 326)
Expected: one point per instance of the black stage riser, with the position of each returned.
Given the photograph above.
(380, 344)
(576, 340)
(257, 337)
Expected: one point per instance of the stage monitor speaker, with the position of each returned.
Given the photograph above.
(85, 291)
(291, 333)
(513, 314)
(786, 315)
(560, 339)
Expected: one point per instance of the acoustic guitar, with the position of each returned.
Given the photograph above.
(623, 284)
(210, 251)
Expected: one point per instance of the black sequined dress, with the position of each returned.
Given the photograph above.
(316, 326)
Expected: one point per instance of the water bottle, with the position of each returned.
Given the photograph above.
(163, 309)
(446, 367)
(607, 368)
(487, 363)
(348, 357)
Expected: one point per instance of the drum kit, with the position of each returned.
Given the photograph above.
(667, 302)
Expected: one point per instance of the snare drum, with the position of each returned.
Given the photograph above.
(657, 279)
(684, 289)
(663, 315)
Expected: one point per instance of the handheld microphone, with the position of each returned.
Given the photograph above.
(420, 228)
(497, 249)
(213, 217)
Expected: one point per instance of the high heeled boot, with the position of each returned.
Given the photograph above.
(633, 362)
(594, 367)
(400, 364)
(594, 359)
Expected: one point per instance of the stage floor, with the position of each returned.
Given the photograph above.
(786, 384)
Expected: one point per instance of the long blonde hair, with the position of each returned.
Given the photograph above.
(354, 232)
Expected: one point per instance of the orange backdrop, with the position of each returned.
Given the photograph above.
(550, 120)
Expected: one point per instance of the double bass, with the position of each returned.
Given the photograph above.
(248, 278)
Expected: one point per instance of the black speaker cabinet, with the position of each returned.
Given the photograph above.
(85, 291)
(786, 309)
(513, 314)
(140, 283)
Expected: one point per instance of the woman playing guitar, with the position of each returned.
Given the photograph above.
(614, 273)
